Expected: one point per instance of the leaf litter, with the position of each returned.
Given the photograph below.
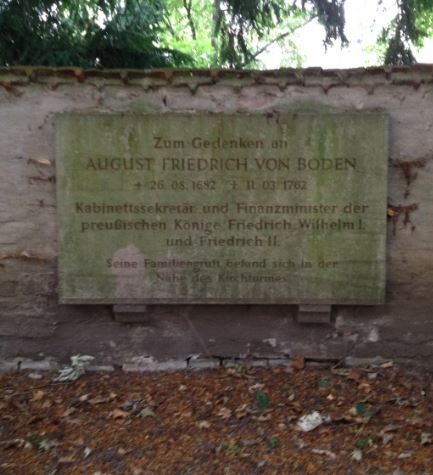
(254, 421)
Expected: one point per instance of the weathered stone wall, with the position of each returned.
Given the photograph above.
(33, 325)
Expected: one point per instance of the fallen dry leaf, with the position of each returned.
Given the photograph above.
(298, 362)
(96, 401)
(87, 451)
(387, 364)
(66, 460)
(241, 411)
(224, 413)
(40, 161)
(118, 414)
(328, 453)
(38, 395)
(203, 424)
(147, 412)
(68, 412)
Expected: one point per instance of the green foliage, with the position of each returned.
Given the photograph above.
(187, 28)
(231, 34)
(287, 388)
(240, 370)
(364, 442)
(263, 400)
(245, 28)
(412, 24)
(239, 18)
(330, 14)
(362, 410)
(40, 442)
(85, 33)
(325, 383)
(234, 33)
(173, 33)
(235, 449)
(273, 443)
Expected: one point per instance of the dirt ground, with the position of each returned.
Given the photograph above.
(236, 421)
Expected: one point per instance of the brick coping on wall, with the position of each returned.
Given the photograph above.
(413, 76)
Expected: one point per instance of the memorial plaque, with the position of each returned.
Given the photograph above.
(215, 208)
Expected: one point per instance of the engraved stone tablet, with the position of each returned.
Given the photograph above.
(201, 208)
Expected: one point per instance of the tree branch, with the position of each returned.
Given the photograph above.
(169, 26)
(187, 5)
(275, 40)
(216, 26)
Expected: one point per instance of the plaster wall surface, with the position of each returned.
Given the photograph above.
(34, 326)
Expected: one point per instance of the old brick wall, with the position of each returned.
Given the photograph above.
(34, 327)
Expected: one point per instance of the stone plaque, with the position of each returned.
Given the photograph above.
(214, 208)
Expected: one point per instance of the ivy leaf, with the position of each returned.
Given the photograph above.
(262, 400)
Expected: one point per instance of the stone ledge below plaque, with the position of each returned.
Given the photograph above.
(131, 313)
(314, 314)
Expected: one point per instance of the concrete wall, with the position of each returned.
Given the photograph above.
(33, 325)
